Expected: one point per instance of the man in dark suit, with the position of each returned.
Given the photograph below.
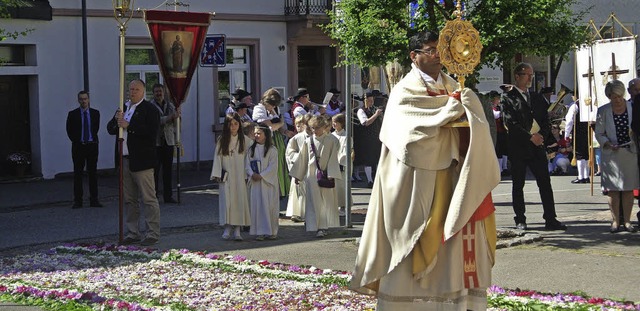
(140, 122)
(82, 128)
(525, 117)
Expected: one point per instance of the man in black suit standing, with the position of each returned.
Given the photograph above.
(525, 117)
(82, 128)
(166, 141)
(140, 122)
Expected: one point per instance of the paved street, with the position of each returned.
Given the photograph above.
(36, 215)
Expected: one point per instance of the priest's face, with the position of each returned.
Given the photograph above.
(427, 59)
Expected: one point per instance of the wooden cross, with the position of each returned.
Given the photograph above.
(589, 76)
(614, 71)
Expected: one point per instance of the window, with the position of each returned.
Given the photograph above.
(233, 76)
(141, 63)
(12, 55)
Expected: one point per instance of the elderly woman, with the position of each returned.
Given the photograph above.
(619, 163)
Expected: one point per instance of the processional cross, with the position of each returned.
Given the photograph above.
(613, 70)
(589, 76)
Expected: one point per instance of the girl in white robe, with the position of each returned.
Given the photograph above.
(321, 203)
(228, 171)
(261, 168)
(295, 203)
(338, 122)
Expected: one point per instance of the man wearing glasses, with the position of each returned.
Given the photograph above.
(411, 253)
(526, 119)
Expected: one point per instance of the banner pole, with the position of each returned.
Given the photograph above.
(123, 30)
(178, 153)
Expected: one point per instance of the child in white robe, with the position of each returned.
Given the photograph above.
(321, 203)
(338, 122)
(229, 171)
(295, 203)
(264, 199)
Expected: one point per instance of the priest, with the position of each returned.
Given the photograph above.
(429, 238)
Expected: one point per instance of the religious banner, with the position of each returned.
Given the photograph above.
(604, 61)
(177, 40)
(586, 86)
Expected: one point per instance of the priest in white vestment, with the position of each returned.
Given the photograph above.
(428, 241)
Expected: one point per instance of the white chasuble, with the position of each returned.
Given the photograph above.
(430, 244)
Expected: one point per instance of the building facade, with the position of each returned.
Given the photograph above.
(269, 43)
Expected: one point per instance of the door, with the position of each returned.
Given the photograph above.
(14, 119)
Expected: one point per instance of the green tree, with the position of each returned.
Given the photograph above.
(5, 5)
(375, 32)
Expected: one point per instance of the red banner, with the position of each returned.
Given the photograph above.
(177, 40)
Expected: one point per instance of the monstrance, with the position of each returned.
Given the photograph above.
(459, 48)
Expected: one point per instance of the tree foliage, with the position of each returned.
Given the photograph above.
(374, 32)
(4, 14)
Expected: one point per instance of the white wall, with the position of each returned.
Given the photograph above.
(60, 74)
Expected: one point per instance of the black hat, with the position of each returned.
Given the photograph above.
(546, 89)
(301, 92)
(240, 94)
(240, 106)
(493, 94)
(374, 93)
(334, 91)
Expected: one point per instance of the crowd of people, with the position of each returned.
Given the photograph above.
(558, 142)
(299, 155)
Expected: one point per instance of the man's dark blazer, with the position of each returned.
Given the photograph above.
(74, 124)
(518, 116)
(635, 115)
(141, 136)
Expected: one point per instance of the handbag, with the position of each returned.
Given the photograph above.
(322, 176)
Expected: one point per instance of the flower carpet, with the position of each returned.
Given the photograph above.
(108, 277)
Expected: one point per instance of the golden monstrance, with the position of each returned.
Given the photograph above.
(459, 46)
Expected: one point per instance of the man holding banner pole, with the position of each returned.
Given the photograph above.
(140, 121)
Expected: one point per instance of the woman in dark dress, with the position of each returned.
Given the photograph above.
(366, 131)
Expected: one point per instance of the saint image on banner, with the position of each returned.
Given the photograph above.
(177, 49)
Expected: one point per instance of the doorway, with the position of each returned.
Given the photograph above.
(316, 70)
(14, 120)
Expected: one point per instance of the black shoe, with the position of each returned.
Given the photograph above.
(370, 185)
(554, 225)
(129, 241)
(505, 173)
(521, 226)
(170, 200)
(585, 180)
(597, 174)
(96, 204)
(576, 181)
(149, 241)
(76, 205)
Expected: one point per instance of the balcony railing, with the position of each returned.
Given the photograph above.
(306, 7)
